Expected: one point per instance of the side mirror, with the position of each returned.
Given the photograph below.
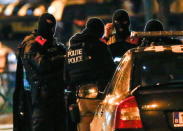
(89, 91)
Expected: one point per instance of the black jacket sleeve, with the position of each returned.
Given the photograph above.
(104, 61)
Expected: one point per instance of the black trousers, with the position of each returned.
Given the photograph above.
(48, 109)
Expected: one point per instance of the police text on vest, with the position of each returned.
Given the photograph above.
(75, 56)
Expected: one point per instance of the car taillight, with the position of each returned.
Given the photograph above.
(127, 114)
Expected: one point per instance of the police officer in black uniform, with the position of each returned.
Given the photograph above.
(88, 63)
(156, 25)
(117, 34)
(43, 61)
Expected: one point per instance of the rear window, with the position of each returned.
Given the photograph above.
(160, 68)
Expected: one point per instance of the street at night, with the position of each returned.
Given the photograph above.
(91, 65)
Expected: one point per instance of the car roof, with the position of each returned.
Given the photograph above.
(157, 49)
(140, 53)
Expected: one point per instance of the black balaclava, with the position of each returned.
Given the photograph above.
(153, 25)
(94, 27)
(121, 22)
(46, 26)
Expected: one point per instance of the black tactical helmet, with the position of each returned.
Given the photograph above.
(153, 25)
(46, 25)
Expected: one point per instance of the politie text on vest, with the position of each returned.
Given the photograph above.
(75, 56)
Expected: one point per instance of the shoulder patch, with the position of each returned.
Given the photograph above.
(103, 40)
(40, 40)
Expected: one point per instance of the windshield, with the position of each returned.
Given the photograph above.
(160, 68)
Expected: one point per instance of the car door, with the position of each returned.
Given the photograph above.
(116, 91)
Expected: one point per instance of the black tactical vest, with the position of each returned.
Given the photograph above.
(80, 65)
(38, 62)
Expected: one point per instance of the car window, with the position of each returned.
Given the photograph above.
(121, 78)
(160, 69)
